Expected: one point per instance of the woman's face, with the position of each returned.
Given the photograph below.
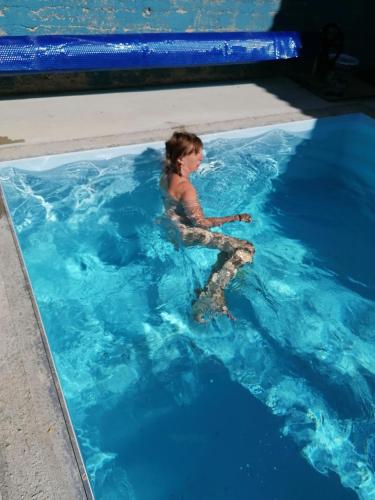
(192, 161)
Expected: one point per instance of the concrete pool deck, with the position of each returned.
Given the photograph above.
(50, 125)
(39, 457)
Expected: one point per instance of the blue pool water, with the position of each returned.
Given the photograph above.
(276, 405)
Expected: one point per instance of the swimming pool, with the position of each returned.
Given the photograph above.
(277, 404)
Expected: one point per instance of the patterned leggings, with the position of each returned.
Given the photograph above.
(234, 253)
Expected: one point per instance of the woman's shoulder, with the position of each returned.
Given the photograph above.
(177, 186)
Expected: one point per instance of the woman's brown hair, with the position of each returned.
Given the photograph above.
(179, 145)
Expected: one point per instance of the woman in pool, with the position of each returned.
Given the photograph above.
(183, 157)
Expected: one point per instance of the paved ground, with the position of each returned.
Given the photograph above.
(56, 124)
(38, 455)
(38, 458)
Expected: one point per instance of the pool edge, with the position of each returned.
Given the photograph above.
(31, 150)
(39, 422)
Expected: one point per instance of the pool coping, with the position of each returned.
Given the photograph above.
(20, 151)
(66, 450)
(66, 456)
(42, 163)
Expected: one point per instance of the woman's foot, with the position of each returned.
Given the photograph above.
(207, 304)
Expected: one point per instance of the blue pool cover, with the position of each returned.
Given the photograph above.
(25, 54)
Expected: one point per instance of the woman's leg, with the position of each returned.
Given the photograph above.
(199, 236)
(234, 254)
(212, 298)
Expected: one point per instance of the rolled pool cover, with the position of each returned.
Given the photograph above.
(50, 53)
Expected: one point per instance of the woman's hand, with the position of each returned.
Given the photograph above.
(245, 218)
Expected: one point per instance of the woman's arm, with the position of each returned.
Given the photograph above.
(195, 213)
